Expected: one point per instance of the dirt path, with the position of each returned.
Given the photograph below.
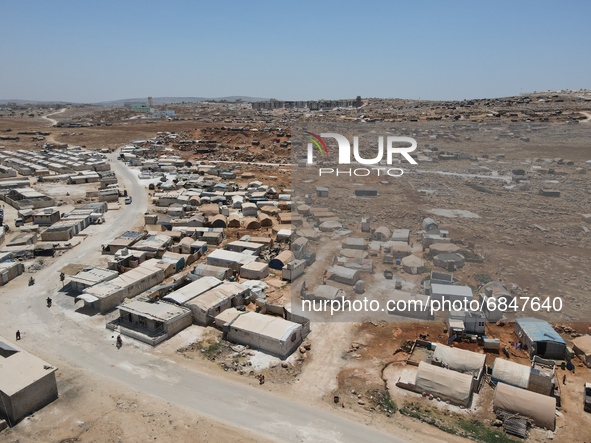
(51, 120)
(586, 114)
(50, 138)
(319, 377)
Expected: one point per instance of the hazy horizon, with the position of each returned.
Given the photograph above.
(246, 98)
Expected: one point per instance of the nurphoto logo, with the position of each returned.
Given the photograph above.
(317, 143)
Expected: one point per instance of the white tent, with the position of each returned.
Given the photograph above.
(540, 408)
(442, 382)
(511, 373)
(459, 360)
(582, 347)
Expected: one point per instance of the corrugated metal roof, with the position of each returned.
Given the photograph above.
(94, 275)
(462, 291)
(230, 257)
(214, 296)
(539, 330)
(192, 290)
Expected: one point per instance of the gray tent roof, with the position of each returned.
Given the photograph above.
(540, 408)
(511, 373)
(451, 385)
(459, 359)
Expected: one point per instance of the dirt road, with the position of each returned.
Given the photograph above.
(586, 114)
(51, 120)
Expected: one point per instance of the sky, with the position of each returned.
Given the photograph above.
(82, 51)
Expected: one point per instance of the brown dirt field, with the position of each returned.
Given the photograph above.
(553, 262)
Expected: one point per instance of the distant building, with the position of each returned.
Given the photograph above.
(321, 191)
(312, 105)
(139, 107)
(451, 293)
(366, 192)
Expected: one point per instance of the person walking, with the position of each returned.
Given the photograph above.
(18, 334)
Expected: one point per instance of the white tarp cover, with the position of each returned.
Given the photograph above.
(86, 297)
(511, 373)
(582, 347)
(540, 408)
(449, 384)
(459, 359)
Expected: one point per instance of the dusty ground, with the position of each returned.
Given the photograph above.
(90, 410)
(347, 359)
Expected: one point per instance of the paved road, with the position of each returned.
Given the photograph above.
(59, 335)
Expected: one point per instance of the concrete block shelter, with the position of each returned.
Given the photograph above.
(91, 276)
(46, 216)
(221, 273)
(451, 292)
(125, 240)
(540, 337)
(192, 290)
(344, 275)
(255, 271)
(22, 198)
(107, 295)
(151, 323)
(211, 303)
(9, 271)
(229, 259)
(27, 383)
(270, 334)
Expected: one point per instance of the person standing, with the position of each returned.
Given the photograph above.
(18, 334)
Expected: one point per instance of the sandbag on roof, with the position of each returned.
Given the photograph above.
(540, 408)
(451, 385)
